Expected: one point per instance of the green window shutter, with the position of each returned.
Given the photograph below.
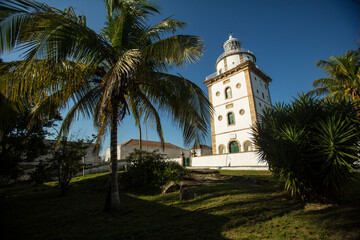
(227, 93)
(231, 118)
(234, 147)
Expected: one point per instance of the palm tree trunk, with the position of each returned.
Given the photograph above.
(113, 200)
(140, 137)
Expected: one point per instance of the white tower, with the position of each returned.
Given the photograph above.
(239, 91)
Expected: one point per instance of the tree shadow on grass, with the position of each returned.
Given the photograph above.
(246, 204)
(230, 189)
(339, 220)
(44, 215)
(219, 209)
(342, 218)
(150, 220)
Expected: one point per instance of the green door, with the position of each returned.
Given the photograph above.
(187, 162)
(234, 147)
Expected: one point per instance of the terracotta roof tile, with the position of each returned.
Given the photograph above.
(135, 142)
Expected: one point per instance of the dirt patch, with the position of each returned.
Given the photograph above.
(316, 206)
(203, 176)
(208, 176)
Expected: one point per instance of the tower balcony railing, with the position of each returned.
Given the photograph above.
(241, 61)
(212, 75)
(241, 50)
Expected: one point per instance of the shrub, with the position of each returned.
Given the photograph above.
(148, 171)
(42, 173)
(65, 162)
(310, 145)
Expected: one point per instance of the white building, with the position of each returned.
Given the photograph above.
(124, 149)
(91, 157)
(239, 91)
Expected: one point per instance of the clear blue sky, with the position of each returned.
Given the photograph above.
(286, 36)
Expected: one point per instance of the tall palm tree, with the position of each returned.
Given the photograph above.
(105, 75)
(343, 79)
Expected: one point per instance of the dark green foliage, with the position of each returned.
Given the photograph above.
(342, 77)
(42, 173)
(20, 143)
(67, 161)
(148, 171)
(311, 145)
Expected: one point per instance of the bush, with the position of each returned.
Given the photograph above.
(67, 161)
(63, 164)
(148, 171)
(310, 145)
(42, 173)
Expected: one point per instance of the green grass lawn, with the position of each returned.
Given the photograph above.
(233, 210)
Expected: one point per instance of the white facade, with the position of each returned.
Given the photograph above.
(124, 149)
(239, 92)
(91, 157)
(234, 161)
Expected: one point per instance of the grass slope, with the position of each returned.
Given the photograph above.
(235, 210)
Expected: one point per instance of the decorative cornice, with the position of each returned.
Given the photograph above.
(241, 67)
(235, 53)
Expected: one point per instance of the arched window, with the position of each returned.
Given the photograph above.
(231, 119)
(221, 149)
(227, 92)
(247, 146)
(234, 147)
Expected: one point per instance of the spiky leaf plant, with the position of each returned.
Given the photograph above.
(310, 145)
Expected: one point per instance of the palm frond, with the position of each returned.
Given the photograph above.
(165, 26)
(343, 76)
(176, 50)
(13, 14)
(183, 100)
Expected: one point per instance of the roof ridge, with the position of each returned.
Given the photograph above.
(135, 141)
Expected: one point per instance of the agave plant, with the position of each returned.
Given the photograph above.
(310, 145)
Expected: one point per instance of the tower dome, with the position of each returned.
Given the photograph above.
(233, 55)
(233, 44)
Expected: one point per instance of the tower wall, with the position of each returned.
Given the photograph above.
(261, 93)
(231, 61)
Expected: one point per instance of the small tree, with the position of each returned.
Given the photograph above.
(67, 161)
(148, 171)
(20, 142)
(42, 173)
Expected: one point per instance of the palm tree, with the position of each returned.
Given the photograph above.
(107, 75)
(343, 79)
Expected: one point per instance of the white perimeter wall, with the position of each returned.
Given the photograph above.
(244, 160)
